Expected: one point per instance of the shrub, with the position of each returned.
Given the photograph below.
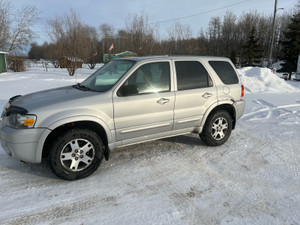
(16, 63)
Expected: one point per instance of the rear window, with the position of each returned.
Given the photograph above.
(225, 71)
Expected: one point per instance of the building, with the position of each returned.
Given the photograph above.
(3, 66)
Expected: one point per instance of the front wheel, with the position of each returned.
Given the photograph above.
(76, 154)
(217, 128)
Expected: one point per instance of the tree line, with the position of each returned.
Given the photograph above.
(246, 39)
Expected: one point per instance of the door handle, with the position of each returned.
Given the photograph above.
(207, 95)
(163, 101)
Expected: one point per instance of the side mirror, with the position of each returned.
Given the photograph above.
(127, 90)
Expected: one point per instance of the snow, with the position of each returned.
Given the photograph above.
(254, 178)
(258, 80)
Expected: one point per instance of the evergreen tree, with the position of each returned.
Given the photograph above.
(291, 45)
(252, 50)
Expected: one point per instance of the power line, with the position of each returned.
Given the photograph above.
(200, 13)
(179, 18)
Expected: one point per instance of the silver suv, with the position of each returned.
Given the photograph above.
(128, 101)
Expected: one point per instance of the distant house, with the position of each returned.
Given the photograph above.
(66, 62)
(3, 65)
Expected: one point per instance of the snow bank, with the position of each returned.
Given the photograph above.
(256, 79)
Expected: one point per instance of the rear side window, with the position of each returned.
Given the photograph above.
(225, 72)
(191, 75)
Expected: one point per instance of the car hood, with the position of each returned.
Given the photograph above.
(48, 98)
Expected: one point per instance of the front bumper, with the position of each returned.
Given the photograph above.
(20, 143)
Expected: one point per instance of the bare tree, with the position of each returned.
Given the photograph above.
(142, 35)
(106, 30)
(88, 44)
(53, 53)
(107, 35)
(16, 27)
(21, 31)
(202, 43)
(123, 41)
(214, 28)
(75, 40)
(63, 32)
(282, 23)
(179, 35)
(223, 37)
(4, 24)
(297, 8)
(214, 35)
(229, 36)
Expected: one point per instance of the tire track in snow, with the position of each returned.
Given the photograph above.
(280, 168)
(183, 198)
(256, 205)
(188, 199)
(60, 211)
(280, 115)
(268, 107)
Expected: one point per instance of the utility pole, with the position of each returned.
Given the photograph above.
(273, 34)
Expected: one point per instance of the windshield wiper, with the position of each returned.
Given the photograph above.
(81, 87)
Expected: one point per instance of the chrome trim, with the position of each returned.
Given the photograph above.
(144, 128)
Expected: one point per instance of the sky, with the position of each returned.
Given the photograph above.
(195, 13)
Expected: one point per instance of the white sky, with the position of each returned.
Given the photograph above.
(115, 12)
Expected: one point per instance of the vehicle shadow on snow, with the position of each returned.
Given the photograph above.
(190, 139)
(154, 149)
(149, 149)
(32, 169)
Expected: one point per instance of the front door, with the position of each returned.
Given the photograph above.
(144, 105)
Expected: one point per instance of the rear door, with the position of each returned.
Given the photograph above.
(150, 110)
(195, 93)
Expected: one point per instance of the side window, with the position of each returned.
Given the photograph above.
(191, 75)
(149, 78)
(225, 72)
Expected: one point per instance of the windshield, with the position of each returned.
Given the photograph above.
(106, 77)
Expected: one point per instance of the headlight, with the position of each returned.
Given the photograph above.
(20, 121)
(5, 109)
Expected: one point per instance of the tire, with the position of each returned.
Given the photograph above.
(217, 128)
(76, 154)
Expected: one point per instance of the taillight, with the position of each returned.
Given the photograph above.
(243, 91)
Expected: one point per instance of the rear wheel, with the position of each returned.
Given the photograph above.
(76, 154)
(217, 128)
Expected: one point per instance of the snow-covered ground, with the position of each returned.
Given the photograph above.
(254, 178)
